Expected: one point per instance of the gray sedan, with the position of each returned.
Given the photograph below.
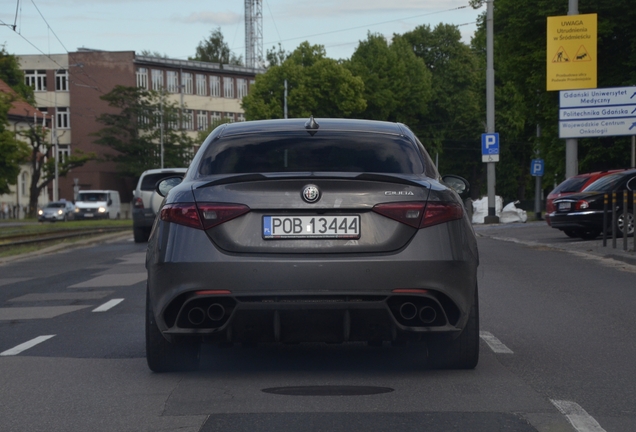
(319, 230)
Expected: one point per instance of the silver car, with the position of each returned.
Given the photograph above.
(319, 230)
(57, 211)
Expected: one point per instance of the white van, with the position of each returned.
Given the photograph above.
(97, 204)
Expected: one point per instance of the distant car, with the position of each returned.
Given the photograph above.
(97, 204)
(146, 201)
(570, 186)
(581, 214)
(312, 230)
(57, 211)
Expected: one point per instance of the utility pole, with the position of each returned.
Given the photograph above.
(572, 144)
(285, 108)
(490, 110)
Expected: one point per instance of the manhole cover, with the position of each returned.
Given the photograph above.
(328, 390)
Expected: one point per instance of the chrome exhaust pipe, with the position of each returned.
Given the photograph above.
(196, 316)
(408, 311)
(427, 314)
(216, 312)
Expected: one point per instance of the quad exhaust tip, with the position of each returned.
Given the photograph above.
(427, 314)
(216, 312)
(196, 316)
(408, 311)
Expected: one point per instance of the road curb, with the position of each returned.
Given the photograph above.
(63, 246)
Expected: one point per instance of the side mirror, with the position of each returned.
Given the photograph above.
(110, 201)
(458, 184)
(165, 185)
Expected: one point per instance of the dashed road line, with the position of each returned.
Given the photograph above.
(25, 346)
(108, 305)
(577, 416)
(495, 344)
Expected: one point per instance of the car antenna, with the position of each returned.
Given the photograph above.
(312, 125)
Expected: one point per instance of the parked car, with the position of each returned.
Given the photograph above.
(57, 211)
(573, 185)
(581, 214)
(98, 204)
(327, 230)
(146, 202)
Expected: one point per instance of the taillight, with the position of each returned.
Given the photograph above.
(202, 215)
(409, 213)
(581, 205)
(138, 203)
(420, 214)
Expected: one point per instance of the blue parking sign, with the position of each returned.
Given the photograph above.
(537, 167)
(489, 144)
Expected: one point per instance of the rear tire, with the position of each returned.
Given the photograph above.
(141, 235)
(164, 356)
(461, 352)
(620, 224)
(572, 233)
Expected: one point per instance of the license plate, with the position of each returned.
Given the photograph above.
(565, 206)
(340, 227)
(88, 214)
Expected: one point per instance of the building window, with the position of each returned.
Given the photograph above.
(229, 117)
(187, 83)
(61, 80)
(172, 84)
(216, 118)
(24, 182)
(157, 80)
(228, 87)
(241, 88)
(202, 120)
(63, 152)
(62, 118)
(241, 117)
(36, 79)
(201, 85)
(142, 78)
(215, 86)
(188, 120)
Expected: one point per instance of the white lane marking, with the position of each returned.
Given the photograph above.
(494, 343)
(25, 346)
(577, 416)
(108, 305)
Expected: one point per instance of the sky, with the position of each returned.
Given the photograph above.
(175, 27)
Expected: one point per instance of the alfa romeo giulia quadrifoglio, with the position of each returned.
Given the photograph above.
(312, 230)
(582, 214)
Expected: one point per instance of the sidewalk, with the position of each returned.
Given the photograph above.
(540, 234)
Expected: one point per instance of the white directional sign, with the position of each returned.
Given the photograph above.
(490, 147)
(597, 112)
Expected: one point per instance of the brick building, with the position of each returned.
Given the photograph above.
(68, 87)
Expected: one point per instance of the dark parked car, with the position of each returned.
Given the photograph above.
(581, 214)
(146, 202)
(323, 230)
(572, 185)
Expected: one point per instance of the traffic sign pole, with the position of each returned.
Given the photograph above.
(572, 145)
(490, 109)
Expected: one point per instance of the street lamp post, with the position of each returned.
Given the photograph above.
(490, 110)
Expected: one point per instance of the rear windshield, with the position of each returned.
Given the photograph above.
(150, 180)
(606, 184)
(301, 152)
(573, 184)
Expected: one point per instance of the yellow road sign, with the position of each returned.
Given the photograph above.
(571, 52)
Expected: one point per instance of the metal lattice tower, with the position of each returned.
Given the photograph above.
(254, 33)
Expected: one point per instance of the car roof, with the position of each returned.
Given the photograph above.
(299, 124)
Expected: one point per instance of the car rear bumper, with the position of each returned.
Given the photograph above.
(588, 220)
(313, 297)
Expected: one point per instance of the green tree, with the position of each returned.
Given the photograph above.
(522, 102)
(317, 86)
(11, 74)
(454, 118)
(276, 56)
(397, 84)
(42, 167)
(135, 131)
(13, 152)
(215, 50)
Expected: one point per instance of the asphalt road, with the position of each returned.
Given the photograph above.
(556, 355)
